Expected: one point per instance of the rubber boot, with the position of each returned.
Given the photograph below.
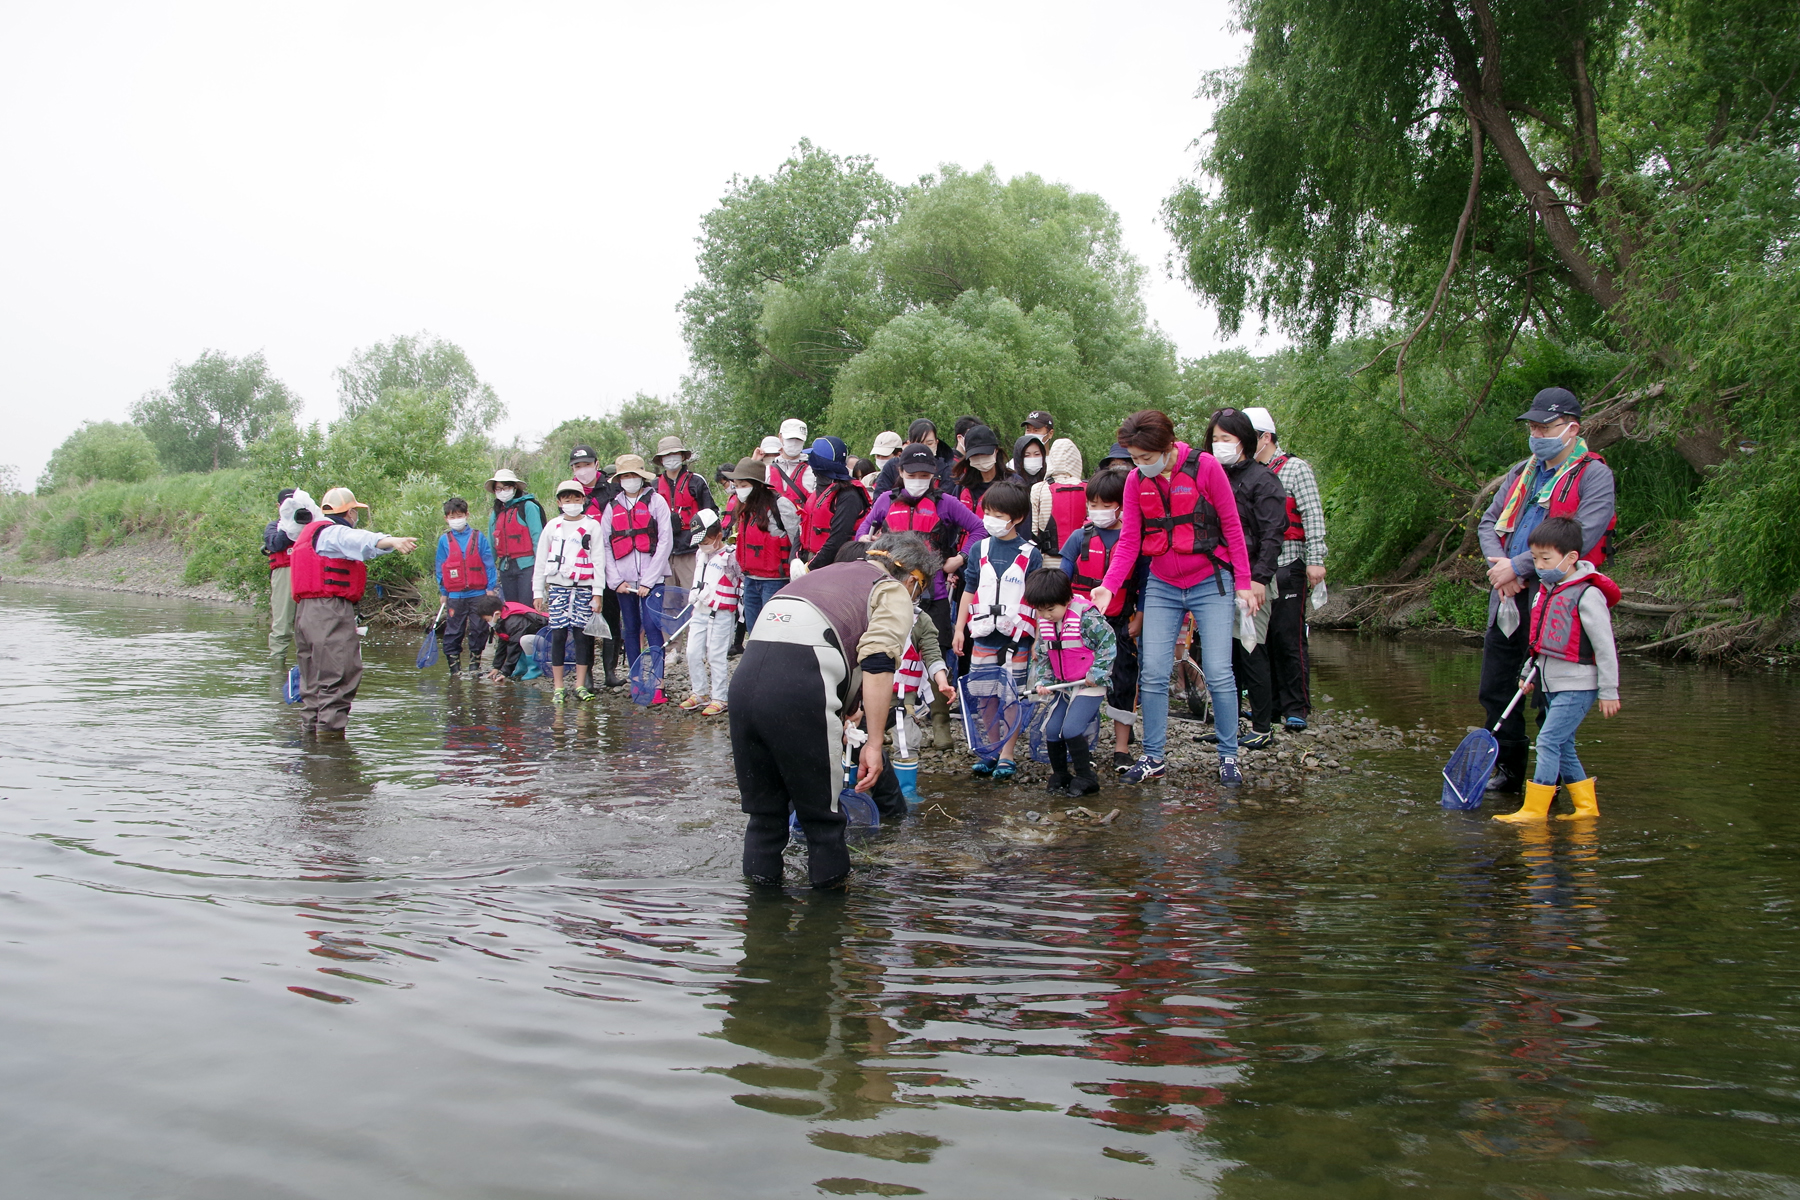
(1085, 783)
(1059, 769)
(530, 672)
(1586, 803)
(941, 736)
(1537, 803)
(609, 657)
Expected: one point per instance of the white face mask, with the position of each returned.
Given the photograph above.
(997, 526)
(1033, 463)
(573, 509)
(1227, 453)
(458, 524)
(632, 485)
(586, 475)
(882, 461)
(916, 485)
(982, 462)
(791, 447)
(505, 494)
(1102, 518)
(743, 491)
(1153, 468)
(672, 462)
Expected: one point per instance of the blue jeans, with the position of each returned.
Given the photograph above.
(1215, 617)
(632, 623)
(1556, 761)
(756, 594)
(1070, 716)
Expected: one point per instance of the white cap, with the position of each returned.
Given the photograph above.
(793, 427)
(887, 444)
(1260, 420)
(771, 445)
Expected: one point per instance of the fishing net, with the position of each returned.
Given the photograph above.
(992, 710)
(667, 611)
(647, 676)
(1188, 681)
(1038, 712)
(290, 691)
(428, 651)
(1466, 776)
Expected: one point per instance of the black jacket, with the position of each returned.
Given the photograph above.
(848, 507)
(507, 632)
(1262, 508)
(275, 541)
(888, 478)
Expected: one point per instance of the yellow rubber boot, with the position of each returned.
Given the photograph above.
(1537, 803)
(1586, 804)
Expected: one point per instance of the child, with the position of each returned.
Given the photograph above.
(715, 617)
(1075, 644)
(562, 583)
(993, 607)
(510, 624)
(1572, 647)
(465, 570)
(1085, 556)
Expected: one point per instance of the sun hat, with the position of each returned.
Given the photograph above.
(631, 464)
(672, 445)
(504, 476)
(751, 471)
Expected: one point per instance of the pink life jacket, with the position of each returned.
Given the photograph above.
(1070, 657)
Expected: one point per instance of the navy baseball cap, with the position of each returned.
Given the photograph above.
(1552, 404)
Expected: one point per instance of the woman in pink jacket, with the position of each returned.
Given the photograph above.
(1179, 511)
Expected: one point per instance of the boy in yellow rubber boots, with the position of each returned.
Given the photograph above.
(1577, 661)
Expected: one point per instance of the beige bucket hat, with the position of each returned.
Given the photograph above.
(632, 464)
(505, 476)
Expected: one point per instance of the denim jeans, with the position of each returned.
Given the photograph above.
(1215, 617)
(756, 594)
(1556, 761)
(633, 630)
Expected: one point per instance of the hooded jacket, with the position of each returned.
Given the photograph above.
(1602, 675)
(1018, 468)
(1062, 465)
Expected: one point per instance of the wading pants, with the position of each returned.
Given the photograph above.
(461, 625)
(330, 657)
(281, 611)
(787, 742)
(1288, 661)
(1502, 658)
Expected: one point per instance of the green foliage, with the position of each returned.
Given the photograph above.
(1460, 604)
(99, 450)
(96, 515)
(420, 362)
(212, 409)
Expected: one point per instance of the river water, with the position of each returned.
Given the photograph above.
(484, 949)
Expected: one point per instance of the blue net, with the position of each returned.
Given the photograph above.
(992, 710)
(428, 652)
(666, 610)
(860, 808)
(647, 676)
(290, 691)
(1466, 776)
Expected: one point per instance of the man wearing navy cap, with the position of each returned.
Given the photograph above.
(1562, 478)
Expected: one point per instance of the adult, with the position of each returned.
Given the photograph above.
(1180, 511)
(887, 445)
(276, 547)
(599, 490)
(921, 433)
(1562, 478)
(1116, 459)
(329, 574)
(637, 531)
(1027, 461)
(514, 527)
(1299, 569)
(1059, 500)
(840, 634)
(789, 473)
(768, 536)
(920, 505)
(838, 503)
(1040, 425)
(980, 467)
(686, 494)
(962, 427)
(768, 450)
(1262, 511)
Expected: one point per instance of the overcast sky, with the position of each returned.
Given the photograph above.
(523, 179)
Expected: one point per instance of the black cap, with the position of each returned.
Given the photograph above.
(1039, 419)
(284, 493)
(918, 457)
(980, 437)
(1552, 403)
(583, 454)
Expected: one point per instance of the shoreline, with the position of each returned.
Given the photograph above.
(152, 567)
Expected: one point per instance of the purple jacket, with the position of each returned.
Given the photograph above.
(950, 509)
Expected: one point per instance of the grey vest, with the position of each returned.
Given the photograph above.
(841, 593)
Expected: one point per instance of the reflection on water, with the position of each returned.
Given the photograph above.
(489, 947)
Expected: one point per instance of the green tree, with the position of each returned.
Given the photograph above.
(212, 409)
(423, 362)
(100, 450)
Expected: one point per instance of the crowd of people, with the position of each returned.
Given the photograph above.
(859, 591)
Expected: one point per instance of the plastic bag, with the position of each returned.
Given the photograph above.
(1319, 596)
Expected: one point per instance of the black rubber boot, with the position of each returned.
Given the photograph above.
(827, 853)
(1509, 768)
(1085, 783)
(609, 657)
(1059, 769)
(765, 837)
(455, 664)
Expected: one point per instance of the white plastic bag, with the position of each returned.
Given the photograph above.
(1319, 596)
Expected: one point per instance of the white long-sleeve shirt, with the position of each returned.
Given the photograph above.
(562, 561)
(341, 541)
(637, 566)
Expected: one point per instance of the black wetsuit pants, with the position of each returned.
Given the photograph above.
(782, 743)
(1502, 658)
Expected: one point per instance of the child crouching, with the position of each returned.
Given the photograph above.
(714, 622)
(510, 623)
(1075, 646)
(1577, 662)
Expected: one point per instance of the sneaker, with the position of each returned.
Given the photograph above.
(1207, 739)
(1146, 768)
(658, 698)
(1004, 770)
(983, 768)
(1122, 761)
(583, 694)
(556, 695)
(1258, 740)
(1229, 775)
(1296, 724)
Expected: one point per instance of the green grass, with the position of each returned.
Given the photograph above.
(75, 520)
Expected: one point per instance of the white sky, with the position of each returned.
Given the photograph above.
(523, 179)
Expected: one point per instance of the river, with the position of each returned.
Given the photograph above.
(484, 949)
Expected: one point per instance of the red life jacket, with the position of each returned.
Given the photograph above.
(1565, 501)
(315, 577)
(1068, 511)
(463, 571)
(972, 502)
(1296, 526)
(1176, 516)
(815, 519)
(280, 559)
(1070, 657)
(910, 514)
(1556, 618)
(1090, 569)
(512, 536)
(512, 608)
(633, 526)
(682, 497)
(793, 487)
(760, 552)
